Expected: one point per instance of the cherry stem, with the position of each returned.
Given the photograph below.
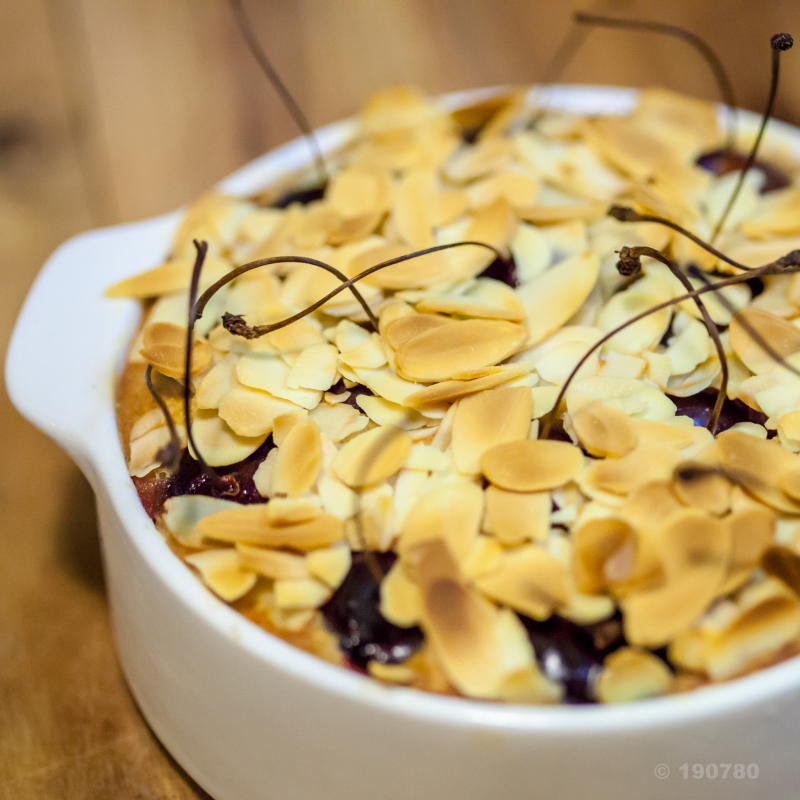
(172, 452)
(779, 42)
(280, 87)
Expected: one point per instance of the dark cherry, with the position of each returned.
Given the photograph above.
(505, 271)
(155, 489)
(699, 407)
(355, 392)
(572, 654)
(302, 196)
(723, 161)
(354, 616)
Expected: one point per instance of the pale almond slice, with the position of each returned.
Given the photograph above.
(435, 354)
(330, 565)
(604, 430)
(531, 251)
(622, 475)
(315, 368)
(270, 374)
(690, 348)
(290, 510)
(217, 382)
(649, 504)
(658, 433)
(414, 273)
(298, 461)
(274, 564)
(515, 517)
(382, 412)
(218, 443)
(401, 598)
(302, 593)
(782, 336)
(452, 513)
(531, 466)
(752, 532)
(165, 349)
(547, 214)
(369, 354)
(284, 423)
(638, 336)
(372, 456)
(486, 556)
(478, 160)
(700, 485)
(358, 190)
(390, 673)
(222, 571)
(604, 554)
(636, 398)
(553, 296)
(184, 511)
(632, 674)
(387, 384)
(622, 366)
(339, 421)
(450, 391)
(409, 212)
(519, 190)
(529, 579)
(758, 467)
(252, 412)
(168, 278)
(251, 524)
(337, 499)
(470, 307)
(493, 224)
(262, 478)
(144, 451)
(486, 419)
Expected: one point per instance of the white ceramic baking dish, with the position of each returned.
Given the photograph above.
(251, 717)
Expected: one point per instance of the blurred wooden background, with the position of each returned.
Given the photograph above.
(112, 110)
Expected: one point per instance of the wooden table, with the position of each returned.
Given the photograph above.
(112, 110)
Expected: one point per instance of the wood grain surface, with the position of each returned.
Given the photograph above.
(112, 110)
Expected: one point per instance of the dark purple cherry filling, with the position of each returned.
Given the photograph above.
(500, 270)
(302, 196)
(723, 161)
(353, 613)
(699, 407)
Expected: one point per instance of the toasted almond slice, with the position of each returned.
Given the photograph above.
(604, 430)
(758, 467)
(543, 215)
(298, 461)
(623, 475)
(529, 579)
(290, 510)
(658, 433)
(184, 511)
(604, 554)
(330, 565)
(274, 564)
(168, 278)
(415, 273)
(752, 531)
(515, 517)
(702, 486)
(315, 368)
(285, 422)
(218, 443)
(382, 412)
(449, 391)
(262, 478)
(372, 456)
(223, 572)
(409, 211)
(789, 481)
(302, 593)
(486, 419)
(252, 524)
(270, 374)
(165, 349)
(553, 296)
(401, 598)
(782, 336)
(784, 564)
(435, 354)
(452, 513)
(519, 190)
(390, 673)
(531, 466)
(358, 190)
(485, 557)
(387, 384)
(251, 412)
(649, 504)
(339, 421)
(470, 307)
(493, 224)
(632, 674)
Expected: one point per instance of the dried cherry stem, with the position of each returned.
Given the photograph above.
(264, 262)
(625, 214)
(786, 265)
(172, 452)
(709, 56)
(630, 258)
(226, 483)
(280, 87)
(237, 326)
(779, 42)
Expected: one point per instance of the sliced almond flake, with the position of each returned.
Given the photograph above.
(452, 390)
(471, 344)
(382, 412)
(758, 467)
(401, 599)
(622, 475)
(168, 278)
(516, 651)
(262, 477)
(226, 342)
(452, 513)
(415, 273)
(486, 419)
(515, 517)
(302, 593)
(639, 336)
(553, 296)
(690, 347)
(531, 251)
(334, 399)
(636, 398)
(694, 549)
(777, 215)
(518, 189)
(367, 355)
(781, 335)
(251, 524)
(446, 207)
(427, 457)
(696, 381)
(294, 620)
(702, 486)
(387, 384)
(485, 557)
(604, 554)
(474, 161)
(219, 444)
(661, 433)
(165, 349)
(493, 224)
(330, 565)
(789, 430)
(223, 572)
(632, 674)
(783, 563)
(298, 461)
(183, 512)
(290, 510)
(260, 224)
(399, 331)
(390, 673)
(358, 190)
(531, 466)
(144, 450)
(649, 504)
(274, 564)
(752, 532)
(251, 412)
(284, 423)
(338, 422)
(557, 357)
(604, 430)
(337, 499)
(372, 456)
(349, 335)
(544, 399)
(529, 580)
(548, 214)
(315, 368)
(409, 211)
(217, 382)
(659, 368)
(270, 375)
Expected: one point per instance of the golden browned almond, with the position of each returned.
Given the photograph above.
(274, 564)
(702, 486)
(401, 330)
(632, 674)
(436, 354)
(781, 335)
(298, 461)
(604, 430)
(752, 531)
(649, 504)
(168, 278)
(251, 524)
(223, 572)
(372, 456)
(604, 553)
(415, 273)
(514, 517)
(531, 466)
(486, 419)
(642, 465)
(165, 349)
(783, 563)
(449, 391)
